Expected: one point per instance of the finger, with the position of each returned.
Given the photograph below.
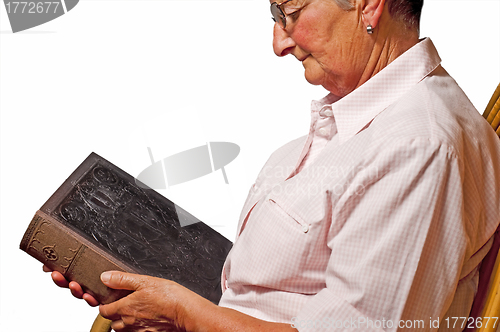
(109, 311)
(76, 289)
(59, 279)
(90, 300)
(122, 280)
(46, 269)
(118, 325)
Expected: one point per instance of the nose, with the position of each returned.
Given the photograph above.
(282, 42)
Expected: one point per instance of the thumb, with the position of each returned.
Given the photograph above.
(121, 280)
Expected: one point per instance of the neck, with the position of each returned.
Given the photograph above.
(389, 40)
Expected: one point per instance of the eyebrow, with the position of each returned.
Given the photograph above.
(294, 4)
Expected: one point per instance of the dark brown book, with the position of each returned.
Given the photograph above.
(102, 219)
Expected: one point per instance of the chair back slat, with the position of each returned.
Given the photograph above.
(492, 111)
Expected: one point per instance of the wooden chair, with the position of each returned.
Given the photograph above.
(101, 324)
(492, 113)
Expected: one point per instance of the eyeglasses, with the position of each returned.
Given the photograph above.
(278, 14)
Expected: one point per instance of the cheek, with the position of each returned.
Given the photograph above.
(307, 33)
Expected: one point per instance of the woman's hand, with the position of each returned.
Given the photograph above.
(156, 304)
(160, 305)
(73, 286)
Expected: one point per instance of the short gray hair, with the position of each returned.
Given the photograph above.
(407, 11)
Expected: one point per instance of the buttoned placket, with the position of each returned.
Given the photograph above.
(325, 123)
(323, 130)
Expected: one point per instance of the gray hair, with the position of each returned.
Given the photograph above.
(407, 11)
(345, 4)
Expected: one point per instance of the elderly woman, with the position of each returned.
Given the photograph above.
(378, 219)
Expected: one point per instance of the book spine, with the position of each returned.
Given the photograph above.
(61, 249)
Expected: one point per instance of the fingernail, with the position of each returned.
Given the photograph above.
(105, 276)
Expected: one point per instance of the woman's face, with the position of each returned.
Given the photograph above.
(329, 41)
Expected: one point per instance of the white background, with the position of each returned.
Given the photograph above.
(116, 77)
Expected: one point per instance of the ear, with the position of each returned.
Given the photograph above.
(372, 11)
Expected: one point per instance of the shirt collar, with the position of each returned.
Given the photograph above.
(356, 110)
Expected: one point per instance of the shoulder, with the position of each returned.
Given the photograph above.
(438, 111)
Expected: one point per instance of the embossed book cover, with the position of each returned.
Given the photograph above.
(101, 219)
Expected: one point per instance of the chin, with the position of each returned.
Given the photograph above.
(315, 80)
(316, 76)
(312, 79)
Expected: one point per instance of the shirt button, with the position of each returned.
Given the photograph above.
(328, 113)
(323, 131)
(305, 228)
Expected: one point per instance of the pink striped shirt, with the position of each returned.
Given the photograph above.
(380, 216)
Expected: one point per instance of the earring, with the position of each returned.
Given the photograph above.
(369, 28)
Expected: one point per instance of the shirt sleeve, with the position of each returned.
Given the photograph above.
(398, 241)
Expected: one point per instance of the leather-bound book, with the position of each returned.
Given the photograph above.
(102, 219)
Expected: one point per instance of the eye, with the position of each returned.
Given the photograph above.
(295, 14)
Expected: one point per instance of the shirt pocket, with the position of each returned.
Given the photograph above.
(309, 210)
(300, 223)
(277, 248)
